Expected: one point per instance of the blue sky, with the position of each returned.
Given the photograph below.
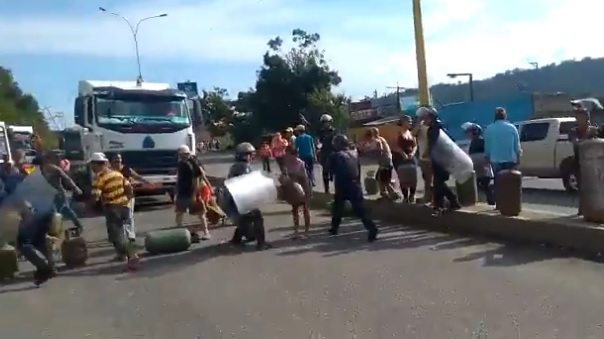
(52, 45)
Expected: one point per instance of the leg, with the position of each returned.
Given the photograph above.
(337, 210)
(405, 193)
(484, 184)
(439, 192)
(309, 163)
(130, 229)
(181, 206)
(427, 176)
(412, 194)
(359, 210)
(268, 165)
(306, 212)
(380, 181)
(64, 208)
(114, 223)
(296, 219)
(259, 232)
(325, 174)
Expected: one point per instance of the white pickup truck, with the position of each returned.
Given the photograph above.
(547, 151)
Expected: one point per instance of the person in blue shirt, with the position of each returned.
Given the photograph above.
(345, 166)
(502, 143)
(483, 170)
(305, 145)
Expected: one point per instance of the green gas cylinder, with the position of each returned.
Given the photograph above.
(168, 241)
(8, 261)
(467, 191)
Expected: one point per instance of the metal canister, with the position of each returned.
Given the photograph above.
(591, 180)
(508, 192)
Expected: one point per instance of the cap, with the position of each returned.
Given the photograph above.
(98, 157)
(184, 149)
(289, 129)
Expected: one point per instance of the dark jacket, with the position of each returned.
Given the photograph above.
(326, 135)
(433, 134)
(345, 166)
(240, 167)
(476, 146)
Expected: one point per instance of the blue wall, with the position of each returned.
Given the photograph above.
(454, 115)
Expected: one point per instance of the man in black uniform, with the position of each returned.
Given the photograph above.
(251, 224)
(344, 165)
(326, 135)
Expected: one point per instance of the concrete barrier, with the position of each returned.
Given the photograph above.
(568, 232)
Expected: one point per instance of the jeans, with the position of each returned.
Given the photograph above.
(63, 206)
(309, 164)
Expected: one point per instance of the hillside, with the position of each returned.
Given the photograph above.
(580, 79)
(17, 107)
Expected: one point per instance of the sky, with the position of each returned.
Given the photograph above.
(52, 45)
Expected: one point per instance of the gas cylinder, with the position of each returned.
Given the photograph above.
(74, 250)
(508, 192)
(467, 191)
(591, 183)
(407, 175)
(56, 225)
(8, 262)
(168, 241)
(370, 183)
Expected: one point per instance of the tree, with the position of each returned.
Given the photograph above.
(217, 110)
(290, 83)
(19, 108)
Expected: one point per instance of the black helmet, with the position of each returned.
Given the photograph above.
(340, 142)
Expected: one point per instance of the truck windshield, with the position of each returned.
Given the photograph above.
(141, 109)
(22, 140)
(72, 146)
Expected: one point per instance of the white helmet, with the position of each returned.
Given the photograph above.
(423, 111)
(326, 118)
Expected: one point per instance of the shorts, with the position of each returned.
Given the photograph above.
(186, 204)
(384, 175)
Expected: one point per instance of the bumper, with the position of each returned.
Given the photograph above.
(160, 184)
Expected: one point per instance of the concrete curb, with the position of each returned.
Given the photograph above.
(561, 232)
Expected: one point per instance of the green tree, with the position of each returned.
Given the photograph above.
(217, 110)
(290, 83)
(19, 108)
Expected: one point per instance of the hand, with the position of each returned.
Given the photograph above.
(77, 191)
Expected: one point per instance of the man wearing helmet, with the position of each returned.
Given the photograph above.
(483, 170)
(440, 189)
(345, 166)
(251, 224)
(326, 135)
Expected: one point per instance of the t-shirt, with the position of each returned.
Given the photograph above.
(305, 146)
(188, 171)
(110, 186)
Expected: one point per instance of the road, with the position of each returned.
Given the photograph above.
(409, 284)
(541, 195)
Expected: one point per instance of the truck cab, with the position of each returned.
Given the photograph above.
(144, 122)
(5, 149)
(20, 137)
(547, 151)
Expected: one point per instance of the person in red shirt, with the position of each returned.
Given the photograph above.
(266, 154)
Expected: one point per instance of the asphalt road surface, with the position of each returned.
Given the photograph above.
(541, 195)
(409, 284)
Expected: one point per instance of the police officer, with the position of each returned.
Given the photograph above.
(326, 135)
(251, 224)
(345, 166)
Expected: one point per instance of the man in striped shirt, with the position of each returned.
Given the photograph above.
(115, 191)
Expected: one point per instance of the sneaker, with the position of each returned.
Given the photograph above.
(40, 277)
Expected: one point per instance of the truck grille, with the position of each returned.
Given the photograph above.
(159, 162)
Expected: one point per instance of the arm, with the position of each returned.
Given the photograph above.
(517, 143)
(312, 147)
(138, 177)
(414, 149)
(487, 144)
(67, 180)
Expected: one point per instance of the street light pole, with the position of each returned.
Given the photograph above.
(420, 55)
(470, 81)
(134, 31)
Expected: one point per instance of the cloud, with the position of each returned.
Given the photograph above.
(371, 46)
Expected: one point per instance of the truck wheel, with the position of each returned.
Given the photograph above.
(570, 182)
(568, 174)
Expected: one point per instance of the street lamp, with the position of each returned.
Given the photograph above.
(134, 30)
(470, 81)
(420, 55)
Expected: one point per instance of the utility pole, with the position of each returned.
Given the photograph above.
(534, 64)
(398, 89)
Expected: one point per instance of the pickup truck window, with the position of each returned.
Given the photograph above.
(566, 126)
(534, 131)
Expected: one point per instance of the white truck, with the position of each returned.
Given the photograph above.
(144, 122)
(5, 150)
(547, 151)
(20, 137)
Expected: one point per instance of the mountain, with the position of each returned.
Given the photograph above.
(580, 79)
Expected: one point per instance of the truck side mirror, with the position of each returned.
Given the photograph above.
(79, 111)
(196, 113)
